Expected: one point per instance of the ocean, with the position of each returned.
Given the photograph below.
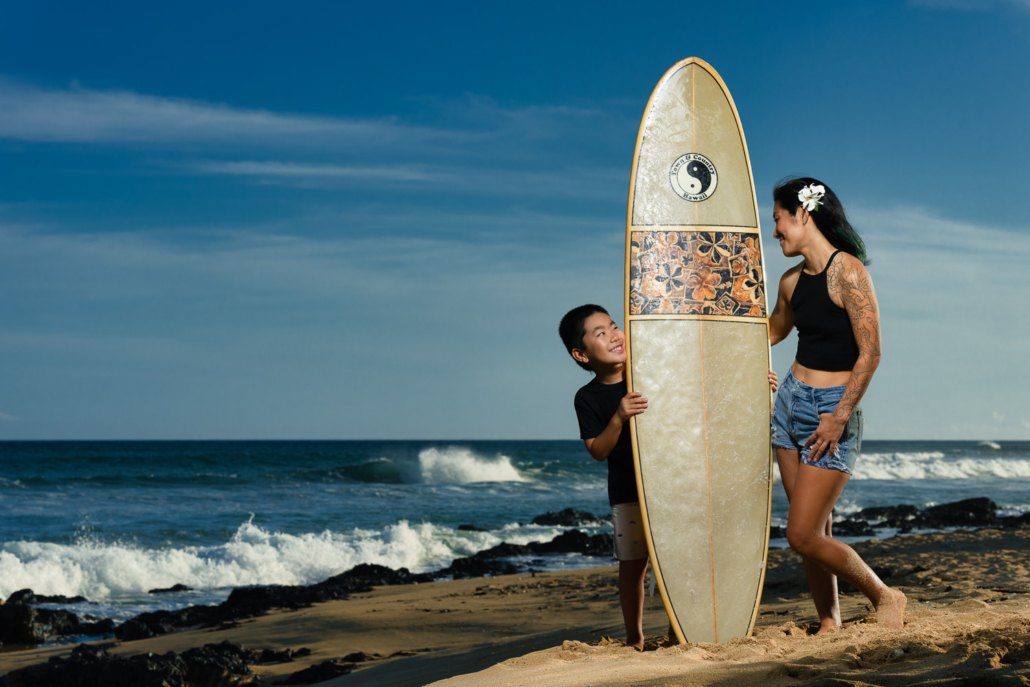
(112, 520)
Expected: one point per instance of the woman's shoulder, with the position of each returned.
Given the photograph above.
(791, 276)
(846, 266)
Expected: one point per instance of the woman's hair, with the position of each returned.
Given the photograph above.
(829, 216)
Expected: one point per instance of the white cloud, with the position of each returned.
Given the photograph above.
(570, 182)
(474, 306)
(270, 169)
(82, 115)
(264, 333)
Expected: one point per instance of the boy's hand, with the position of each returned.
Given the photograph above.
(632, 404)
(774, 381)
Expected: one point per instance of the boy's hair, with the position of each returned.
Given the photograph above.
(571, 329)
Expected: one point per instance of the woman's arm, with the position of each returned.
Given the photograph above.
(855, 288)
(782, 319)
(850, 282)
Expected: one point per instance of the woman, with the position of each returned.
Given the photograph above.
(817, 424)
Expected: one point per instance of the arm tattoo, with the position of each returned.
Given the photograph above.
(851, 283)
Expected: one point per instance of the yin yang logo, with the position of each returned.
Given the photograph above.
(693, 177)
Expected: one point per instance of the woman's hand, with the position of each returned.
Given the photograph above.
(826, 437)
(774, 381)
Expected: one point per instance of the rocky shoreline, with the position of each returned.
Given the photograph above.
(22, 622)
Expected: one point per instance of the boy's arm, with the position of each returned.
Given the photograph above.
(601, 446)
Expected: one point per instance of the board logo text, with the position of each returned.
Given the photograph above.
(693, 177)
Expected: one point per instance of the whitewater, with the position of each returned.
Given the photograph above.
(112, 520)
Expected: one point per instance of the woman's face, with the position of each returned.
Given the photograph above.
(789, 229)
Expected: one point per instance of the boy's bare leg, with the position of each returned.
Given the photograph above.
(631, 598)
(821, 582)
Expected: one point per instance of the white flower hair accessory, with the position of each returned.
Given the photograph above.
(811, 196)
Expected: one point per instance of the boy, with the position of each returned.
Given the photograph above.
(603, 407)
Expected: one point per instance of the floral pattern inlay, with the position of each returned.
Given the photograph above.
(696, 273)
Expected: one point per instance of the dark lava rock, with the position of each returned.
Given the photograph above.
(777, 532)
(968, 512)
(978, 511)
(251, 601)
(360, 657)
(480, 564)
(488, 561)
(22, 596)
(154, 623)
(24, 624)
(17, 625)
(171, 590)
(211, 665)
(217, 664)
(248, 602)
(274, 656)
(900, 517)
(27, 596)
(281, 655)
(320, 672)
(376, 576)
(470, 528)
(852, 527)
(1012, 521)
(575, 541)
(569, 517)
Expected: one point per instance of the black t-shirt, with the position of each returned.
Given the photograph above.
(595, 405)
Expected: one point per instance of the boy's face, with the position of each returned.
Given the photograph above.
(604, 344)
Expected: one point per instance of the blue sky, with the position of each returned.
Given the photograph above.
(354, 222)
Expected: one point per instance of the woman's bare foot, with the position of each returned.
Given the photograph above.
(828, 625)
(890, 608)
(636, 642)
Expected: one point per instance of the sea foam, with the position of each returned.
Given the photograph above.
(254, 555)
(458, 465)
(934, 465)
(449, 465)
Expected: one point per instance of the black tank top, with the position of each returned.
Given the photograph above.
(825, 338)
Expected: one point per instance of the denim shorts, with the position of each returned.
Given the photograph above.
(796, 417)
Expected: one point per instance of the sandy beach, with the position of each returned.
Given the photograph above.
(969, 618)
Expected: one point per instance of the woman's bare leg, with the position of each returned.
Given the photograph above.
(815, 492)
(821, 582)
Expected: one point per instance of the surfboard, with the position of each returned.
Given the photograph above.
(698, 347)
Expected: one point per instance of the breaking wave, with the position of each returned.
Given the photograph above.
(451, 465)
